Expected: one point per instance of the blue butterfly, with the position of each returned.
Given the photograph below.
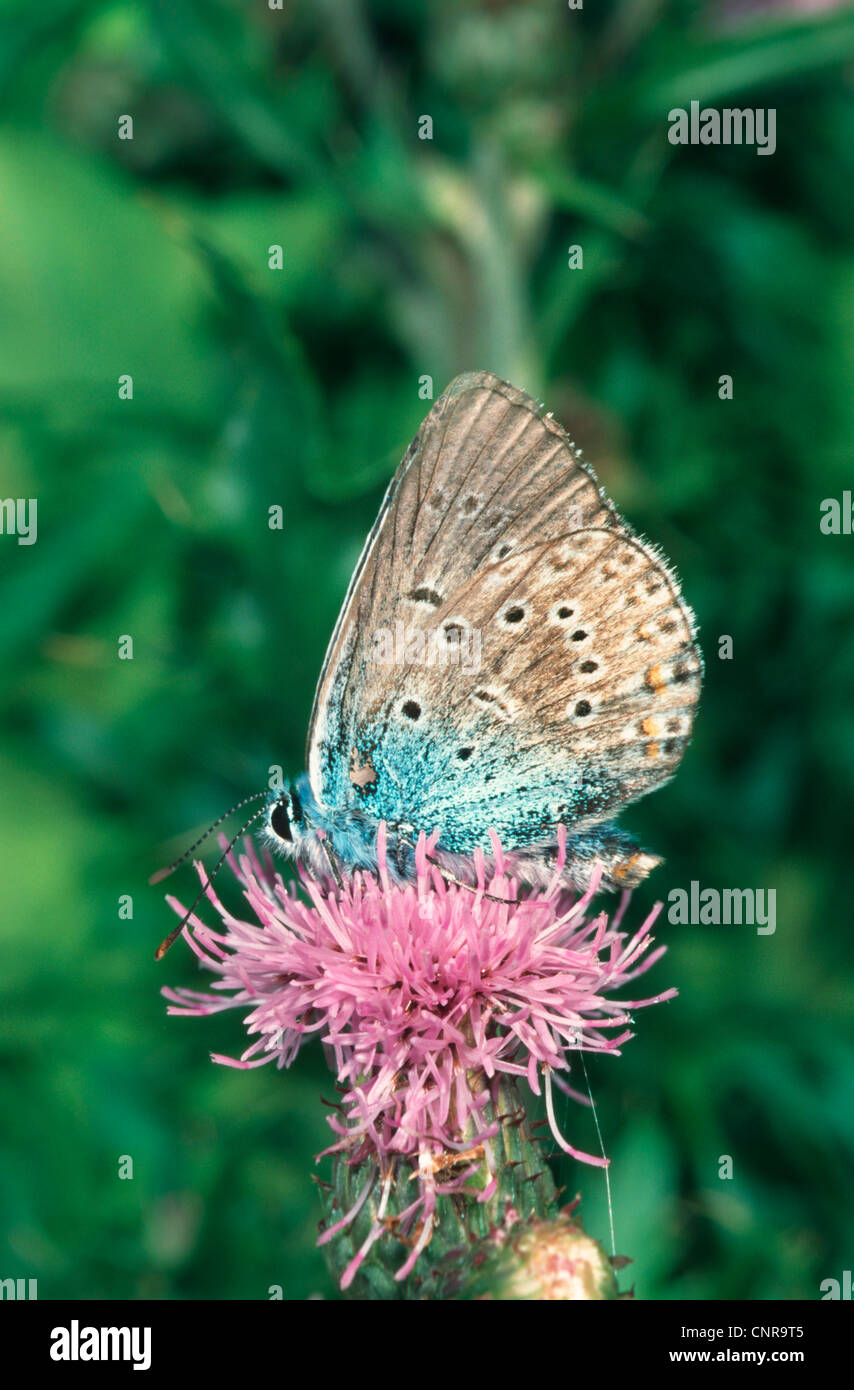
(510, 656)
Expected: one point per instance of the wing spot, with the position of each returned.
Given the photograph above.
(579, 635)
(655, 679)
(437, 500)
(429, 596)
(470, 505)
(488, 697)
(464, 754)
(624, 871)
(588, 666)
(411, 709)
(514, 614)
(583, 708)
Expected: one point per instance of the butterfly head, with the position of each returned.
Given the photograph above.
(285, 821)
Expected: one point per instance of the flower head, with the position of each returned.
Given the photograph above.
(425, 996)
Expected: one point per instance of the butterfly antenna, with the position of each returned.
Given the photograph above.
(165, 944)
(602, 1151)
(170, 868)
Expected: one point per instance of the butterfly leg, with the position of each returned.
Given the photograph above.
(332, 862)
(451, 878)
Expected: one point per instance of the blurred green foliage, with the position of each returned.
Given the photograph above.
(404, 257)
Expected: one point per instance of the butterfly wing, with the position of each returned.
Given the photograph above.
(495, 540)
(486, 462)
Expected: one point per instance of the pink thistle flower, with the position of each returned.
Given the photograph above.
(425, 996)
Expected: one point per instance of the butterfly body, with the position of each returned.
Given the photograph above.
(348, 839)
(548, 674)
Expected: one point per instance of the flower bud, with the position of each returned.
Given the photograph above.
(552, 1260)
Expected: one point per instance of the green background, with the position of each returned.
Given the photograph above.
(252, 387)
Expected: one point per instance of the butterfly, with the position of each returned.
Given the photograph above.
(510, 657)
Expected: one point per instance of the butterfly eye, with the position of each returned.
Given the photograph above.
(280, 821)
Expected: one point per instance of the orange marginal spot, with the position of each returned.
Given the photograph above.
(645, 631)
(651, 726)
(651, 750)
(654, 679)
(624, 869)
